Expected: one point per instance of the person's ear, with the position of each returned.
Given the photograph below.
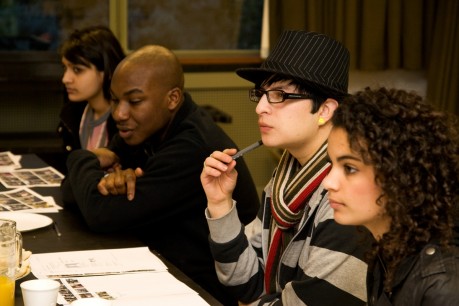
(326, 111)
(174, 97)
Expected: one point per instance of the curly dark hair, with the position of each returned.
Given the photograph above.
(414, 151)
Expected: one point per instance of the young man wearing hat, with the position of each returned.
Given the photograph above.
(293, 253)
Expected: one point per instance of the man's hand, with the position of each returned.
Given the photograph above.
(107, 159)
(120, 182)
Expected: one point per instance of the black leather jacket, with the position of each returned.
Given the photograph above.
(431, 278)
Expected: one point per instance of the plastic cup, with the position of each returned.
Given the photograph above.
(40, 292)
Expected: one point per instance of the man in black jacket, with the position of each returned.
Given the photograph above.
(163, 139)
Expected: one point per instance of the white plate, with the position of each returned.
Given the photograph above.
(27, 221)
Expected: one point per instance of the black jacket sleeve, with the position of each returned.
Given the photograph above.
(170, 186)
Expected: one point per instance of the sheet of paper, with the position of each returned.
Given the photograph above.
(164, 300)
(95, 263)
(26, 200)
(160, 288)
(40, 177)
(128, 276)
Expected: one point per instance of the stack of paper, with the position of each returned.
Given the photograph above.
(22, 198)
(40, 177)
(131, 276)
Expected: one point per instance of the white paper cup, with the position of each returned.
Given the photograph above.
(40, 292)
(91, 302)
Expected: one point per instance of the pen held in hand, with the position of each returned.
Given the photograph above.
(247, 149)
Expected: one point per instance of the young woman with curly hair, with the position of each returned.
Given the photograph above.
(395, 170)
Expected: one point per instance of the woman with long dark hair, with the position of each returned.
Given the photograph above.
(89, 57)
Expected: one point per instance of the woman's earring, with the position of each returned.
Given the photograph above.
(321, 121)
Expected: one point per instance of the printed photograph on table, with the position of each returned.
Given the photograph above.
(24, 199)
(9, 161)
(130, 289)
(72, 289)
(42, 177)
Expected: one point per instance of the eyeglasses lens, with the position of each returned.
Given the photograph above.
(273, 96)
(255, 95)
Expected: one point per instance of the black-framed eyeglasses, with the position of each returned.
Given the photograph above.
(275, 95)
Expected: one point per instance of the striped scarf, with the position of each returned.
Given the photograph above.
(293, 186)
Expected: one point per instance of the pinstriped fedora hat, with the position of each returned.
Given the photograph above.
(313, 59)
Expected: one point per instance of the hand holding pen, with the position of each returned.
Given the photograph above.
(219, 179)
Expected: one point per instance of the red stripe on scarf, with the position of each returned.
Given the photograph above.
(269, 261)
(296, 205)
(278, 232)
